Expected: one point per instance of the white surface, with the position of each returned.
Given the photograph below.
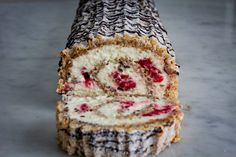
(32, 32)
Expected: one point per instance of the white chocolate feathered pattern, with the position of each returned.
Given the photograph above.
(110, 17)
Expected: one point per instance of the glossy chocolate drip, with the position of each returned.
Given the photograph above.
(110, 17)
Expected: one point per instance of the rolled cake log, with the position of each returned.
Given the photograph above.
(119, 82)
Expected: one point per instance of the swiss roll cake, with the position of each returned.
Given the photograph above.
(118, 81)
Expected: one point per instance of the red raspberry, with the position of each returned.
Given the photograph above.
(88, 81)
(168, 86)
(82, 108)
(126, 104)
(124, 82)
(153, 72)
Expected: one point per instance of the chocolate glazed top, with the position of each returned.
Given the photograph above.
(108, 17)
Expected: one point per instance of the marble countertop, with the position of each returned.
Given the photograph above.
(32, 32)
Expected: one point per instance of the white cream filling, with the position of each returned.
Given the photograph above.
(110, 53)
(106, 79)
(107, 113)
(107, 110)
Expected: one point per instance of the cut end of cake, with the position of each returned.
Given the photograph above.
(117, 101)
(117, 70)
(96, 138)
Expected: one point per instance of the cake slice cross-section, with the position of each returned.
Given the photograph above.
(119, 82)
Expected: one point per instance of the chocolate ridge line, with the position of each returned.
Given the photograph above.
(139, 150)
(115, 133)
(78, 135)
